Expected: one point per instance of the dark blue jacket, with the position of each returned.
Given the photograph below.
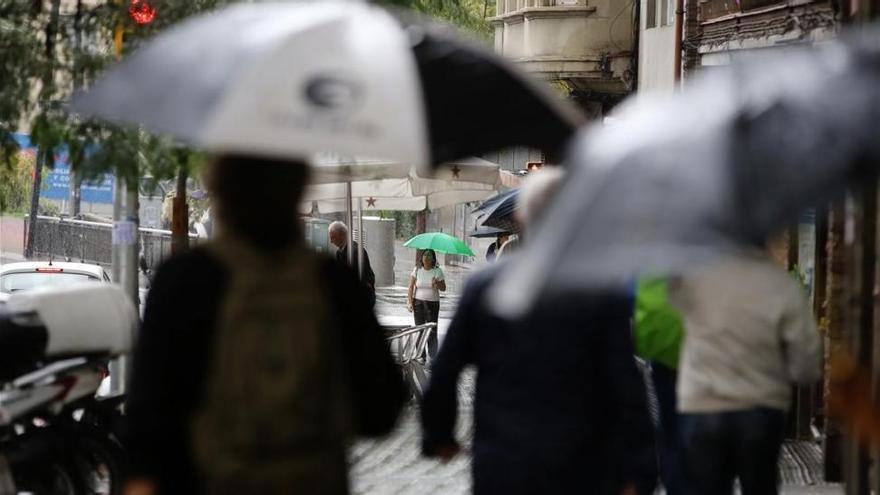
(560, 406)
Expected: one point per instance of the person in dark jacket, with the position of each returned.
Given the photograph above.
(338, 234)
(249, 370)
(560, 406)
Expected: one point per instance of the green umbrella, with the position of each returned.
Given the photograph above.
(440, 242)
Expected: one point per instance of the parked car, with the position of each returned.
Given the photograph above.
(29, 275)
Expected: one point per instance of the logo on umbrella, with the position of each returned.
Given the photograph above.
(333, 93)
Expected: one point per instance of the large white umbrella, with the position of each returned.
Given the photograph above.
(294, 79)
(380, 185)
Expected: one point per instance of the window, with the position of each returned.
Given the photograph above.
(651, 14)
(13, 282)
(664, 12)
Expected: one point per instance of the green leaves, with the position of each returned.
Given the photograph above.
(466, 14)
(45, 57)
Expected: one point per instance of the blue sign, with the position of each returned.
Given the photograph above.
(56, 183)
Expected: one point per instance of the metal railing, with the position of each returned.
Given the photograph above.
(91, 242)
(409, 348)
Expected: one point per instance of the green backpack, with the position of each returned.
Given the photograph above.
(658, 327)
(276, 414)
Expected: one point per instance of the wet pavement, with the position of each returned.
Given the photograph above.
(394, 466)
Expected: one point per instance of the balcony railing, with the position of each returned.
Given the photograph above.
(714, 9)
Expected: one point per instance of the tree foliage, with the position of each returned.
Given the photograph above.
(466, 14)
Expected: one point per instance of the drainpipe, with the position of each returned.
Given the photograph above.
(679, 27)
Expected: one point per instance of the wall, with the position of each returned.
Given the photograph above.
(656, 51)
(588, 42)
(656, 59)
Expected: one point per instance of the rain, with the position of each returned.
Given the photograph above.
(439, 247)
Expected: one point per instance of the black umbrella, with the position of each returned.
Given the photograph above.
(477, 101)
(499, 211)
(483, 231)
(491, 203)
(729, 161)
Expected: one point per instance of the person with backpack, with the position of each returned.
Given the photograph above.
(259, 359)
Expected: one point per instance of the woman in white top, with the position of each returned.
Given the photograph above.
(423, 295)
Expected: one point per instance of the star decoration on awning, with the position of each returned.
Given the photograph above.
(455, 171)
(371, 202)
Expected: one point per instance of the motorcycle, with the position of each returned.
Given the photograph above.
(56, 435)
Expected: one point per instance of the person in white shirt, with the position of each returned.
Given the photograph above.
(749, 335)
(423, 294)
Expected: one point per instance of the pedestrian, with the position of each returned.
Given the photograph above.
(658, 332)
(510, 246)
(749, 336)
(560, 406)
(423, 294)
(257, 361)
(499, 241)
(338, 234)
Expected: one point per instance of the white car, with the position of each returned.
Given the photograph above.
(29, 275)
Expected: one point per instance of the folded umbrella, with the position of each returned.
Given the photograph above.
(297, 79)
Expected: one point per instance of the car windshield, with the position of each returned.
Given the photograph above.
(14, 282)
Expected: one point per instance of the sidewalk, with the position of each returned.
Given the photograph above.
(394, 466)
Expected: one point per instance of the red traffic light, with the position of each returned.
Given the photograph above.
(141, 12)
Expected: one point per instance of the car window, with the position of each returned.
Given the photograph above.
(14, 282)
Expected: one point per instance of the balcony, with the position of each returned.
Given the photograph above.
(585, 43)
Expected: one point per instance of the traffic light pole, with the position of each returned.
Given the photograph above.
(125, 245)
(125, 262)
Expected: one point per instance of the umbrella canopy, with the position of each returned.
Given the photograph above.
(486, 206)
(729, 161)
(500, 211)
(440, 242)
(301, 78)
(480, 232)
(401, 188)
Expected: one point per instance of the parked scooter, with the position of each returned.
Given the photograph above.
(56, 436)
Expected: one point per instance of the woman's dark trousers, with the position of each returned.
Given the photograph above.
(427, 312)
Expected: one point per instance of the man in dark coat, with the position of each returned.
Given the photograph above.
(560, 406)
(338, 234)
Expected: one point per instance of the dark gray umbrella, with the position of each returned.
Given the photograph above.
(480, 232)
(498, 211)
(729, 161)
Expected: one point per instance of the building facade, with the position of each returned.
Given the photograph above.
(585, 46)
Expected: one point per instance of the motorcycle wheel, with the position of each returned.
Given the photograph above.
(55, 478)
(98, 466)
